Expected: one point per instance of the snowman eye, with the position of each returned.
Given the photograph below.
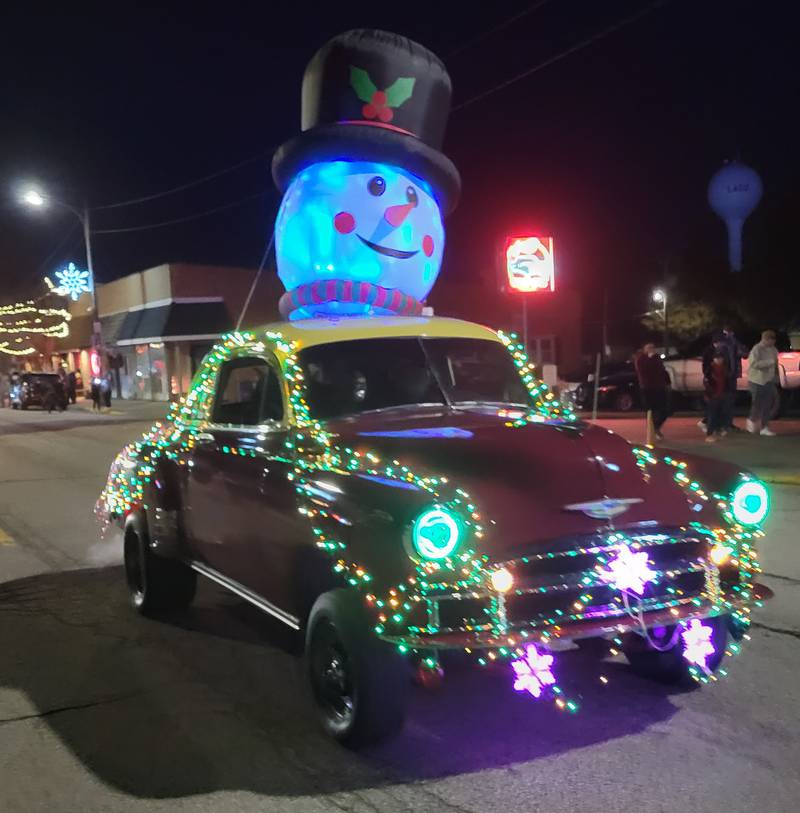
(376, 186)
(411, 195)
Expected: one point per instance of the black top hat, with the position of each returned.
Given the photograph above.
(374, 96)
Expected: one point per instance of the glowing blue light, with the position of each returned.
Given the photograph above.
(435, 533)
(434, 432)
(335, 231)
(73, 282)
(750, 502)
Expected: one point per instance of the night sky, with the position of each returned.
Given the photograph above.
(610, 148)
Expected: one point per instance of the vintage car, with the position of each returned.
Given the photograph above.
(393, 488)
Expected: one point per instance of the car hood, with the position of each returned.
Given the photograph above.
(522, 478)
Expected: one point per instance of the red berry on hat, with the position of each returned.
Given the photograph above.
(369, 111)
(379, 98)
(386, 114)
(344, 222)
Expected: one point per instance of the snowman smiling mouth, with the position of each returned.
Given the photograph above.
(386, 251)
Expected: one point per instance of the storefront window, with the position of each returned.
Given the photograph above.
(142, 374)
(159, 388)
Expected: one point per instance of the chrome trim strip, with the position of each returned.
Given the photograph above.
(247, 595)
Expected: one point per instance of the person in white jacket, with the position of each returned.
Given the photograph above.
(762, 376)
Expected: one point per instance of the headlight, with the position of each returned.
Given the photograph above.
(750, 502)
(436, 533)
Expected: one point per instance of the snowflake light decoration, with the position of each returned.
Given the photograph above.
(533, 671)
(697, 643)
(72, 282)
(629, 571)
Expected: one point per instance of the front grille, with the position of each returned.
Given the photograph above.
(563, 583)
(603, 599)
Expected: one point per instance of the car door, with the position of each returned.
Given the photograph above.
(239, 496)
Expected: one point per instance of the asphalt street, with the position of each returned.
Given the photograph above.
(101, 710)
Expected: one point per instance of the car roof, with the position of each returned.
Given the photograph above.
(311, 332)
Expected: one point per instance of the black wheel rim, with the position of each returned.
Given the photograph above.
(332, 679)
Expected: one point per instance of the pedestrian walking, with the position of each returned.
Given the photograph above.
(654, 385)
(762, 377)
(734, 360)
(716, 384)
(95, 392)
(105, 388)
(72, 387)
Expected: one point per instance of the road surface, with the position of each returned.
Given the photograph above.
(101, 710)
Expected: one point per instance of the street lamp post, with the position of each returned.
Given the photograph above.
(660, 298)
(35, 199)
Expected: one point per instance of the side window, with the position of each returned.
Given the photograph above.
(248, 393)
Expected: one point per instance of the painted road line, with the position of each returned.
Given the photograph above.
(5, 539)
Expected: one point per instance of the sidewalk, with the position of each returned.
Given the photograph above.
(775, 460)
(14, 421)
(131, 410)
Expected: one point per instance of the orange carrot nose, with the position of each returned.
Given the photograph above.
(395, 215)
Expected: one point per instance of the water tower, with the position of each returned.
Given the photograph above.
(733, 192)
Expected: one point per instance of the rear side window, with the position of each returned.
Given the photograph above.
(248, 393)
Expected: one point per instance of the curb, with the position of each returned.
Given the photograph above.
(778, 478)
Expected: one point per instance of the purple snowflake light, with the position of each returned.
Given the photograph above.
(629, 571)
(697, 643)
(533, 672)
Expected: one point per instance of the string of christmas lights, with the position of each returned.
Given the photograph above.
(23, 320)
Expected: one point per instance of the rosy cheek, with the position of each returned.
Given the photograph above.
(344, 222)
(427, 245)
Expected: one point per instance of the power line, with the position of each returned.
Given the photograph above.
(182, 219)
(563, 54)
(188, 185)
(499, 27)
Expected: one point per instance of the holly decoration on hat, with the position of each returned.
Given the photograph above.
(380, 104)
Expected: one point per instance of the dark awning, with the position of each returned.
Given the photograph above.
(174, 322)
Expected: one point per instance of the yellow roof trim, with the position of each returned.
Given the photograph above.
(311, 332)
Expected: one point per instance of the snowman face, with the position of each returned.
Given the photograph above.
(361, 222)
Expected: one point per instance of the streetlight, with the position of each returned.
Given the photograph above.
(35, 199)
(660, 298)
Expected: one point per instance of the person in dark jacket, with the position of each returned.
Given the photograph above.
(654, 385)
(716, 384)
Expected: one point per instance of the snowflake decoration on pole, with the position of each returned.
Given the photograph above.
(629, 571)
(533, 671)
(697, 643)
(72, 282)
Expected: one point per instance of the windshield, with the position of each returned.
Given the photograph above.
(365, 374)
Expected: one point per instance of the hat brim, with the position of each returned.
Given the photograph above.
(349, 142)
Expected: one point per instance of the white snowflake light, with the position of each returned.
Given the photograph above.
(72, 282)
(629, 571)
(697, 643)
(533, 672)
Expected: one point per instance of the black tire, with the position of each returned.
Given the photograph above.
(14, 406)
(624, 401)
(669, 666)
(358, 682)
(155, 584)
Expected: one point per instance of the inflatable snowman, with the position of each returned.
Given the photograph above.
(360, 230)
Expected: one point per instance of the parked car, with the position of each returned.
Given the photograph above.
(38, 389)
(686, 374)
(618, 388)
(395, 488)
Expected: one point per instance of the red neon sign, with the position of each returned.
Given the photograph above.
(94, 363)
(530, 265)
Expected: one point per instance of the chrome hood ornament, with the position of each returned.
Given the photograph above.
(607, 508)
